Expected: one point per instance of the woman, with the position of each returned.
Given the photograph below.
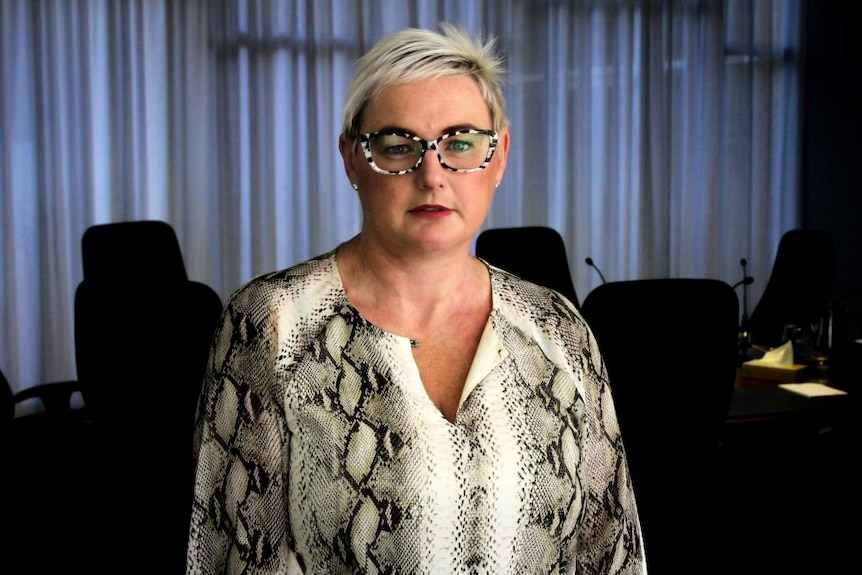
(397, 405)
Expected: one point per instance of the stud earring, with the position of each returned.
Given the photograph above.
(354, 186)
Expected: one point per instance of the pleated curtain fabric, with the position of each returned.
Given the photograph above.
(660, 139)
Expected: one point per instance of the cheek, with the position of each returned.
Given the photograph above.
(377, 196)
(479, 197)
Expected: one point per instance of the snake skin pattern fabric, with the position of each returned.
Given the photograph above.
(319, 452)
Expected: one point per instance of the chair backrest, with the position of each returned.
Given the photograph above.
(7, 400)
(146, 251)
(141, 327)
(143, 332)
(670, 349)
(535, 253)
(799, 288)
(7, 414)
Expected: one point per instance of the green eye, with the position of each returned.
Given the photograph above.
(394, 146)
(396, 150)
(460, 145)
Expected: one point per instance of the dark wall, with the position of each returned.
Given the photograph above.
(832, 154)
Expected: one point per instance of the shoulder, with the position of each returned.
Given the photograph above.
(279, 308)
(523, 309)
(513, 294)
(303, 281)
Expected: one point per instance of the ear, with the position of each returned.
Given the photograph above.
(348, 156)
(501, 156)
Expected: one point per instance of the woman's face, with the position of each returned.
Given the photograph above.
(431, 208)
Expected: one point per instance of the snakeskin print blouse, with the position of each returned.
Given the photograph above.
(319, 452)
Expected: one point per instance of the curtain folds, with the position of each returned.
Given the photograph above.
(662, 139)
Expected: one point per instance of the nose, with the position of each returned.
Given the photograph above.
(434, 159)
(431, 171)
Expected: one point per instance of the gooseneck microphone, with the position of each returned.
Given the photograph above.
(595, 267)
(746, 281)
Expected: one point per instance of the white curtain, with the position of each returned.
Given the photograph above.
(661, 138)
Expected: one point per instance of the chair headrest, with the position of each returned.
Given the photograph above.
(535, 253)
(143, 251)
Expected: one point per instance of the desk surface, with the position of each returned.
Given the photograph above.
(767, 417)
(771, 401)
(785, 482)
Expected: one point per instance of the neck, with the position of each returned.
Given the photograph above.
(405, 294)
(426, 277)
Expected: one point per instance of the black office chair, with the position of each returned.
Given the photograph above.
(45, 490)
(143, 332)
(844, 340)
(799, 288)
(670, 349)
(142, 328)
(535, 253)
(48, 416)
(7, 401)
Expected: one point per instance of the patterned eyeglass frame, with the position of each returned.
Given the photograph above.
(365, 139)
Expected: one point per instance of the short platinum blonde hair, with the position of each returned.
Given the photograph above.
(415, 54)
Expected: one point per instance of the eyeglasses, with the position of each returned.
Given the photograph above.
(399, 153)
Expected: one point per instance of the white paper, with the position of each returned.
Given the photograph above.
(812, 389)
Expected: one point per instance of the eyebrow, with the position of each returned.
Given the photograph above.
(447, 130)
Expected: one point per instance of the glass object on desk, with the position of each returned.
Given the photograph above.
(820, 368)
(823, 332)
(743, 343)
(791, 333)
(822, 345)
(802, 342)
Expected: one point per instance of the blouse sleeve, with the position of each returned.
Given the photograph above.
(611, 539)
(239, 505)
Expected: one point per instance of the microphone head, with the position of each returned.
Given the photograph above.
(743, 262)
(589, 261)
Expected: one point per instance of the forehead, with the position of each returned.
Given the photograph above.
(428, 107)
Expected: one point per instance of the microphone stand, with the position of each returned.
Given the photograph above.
(744, 263)
(744, 335)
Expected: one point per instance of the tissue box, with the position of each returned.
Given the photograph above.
(758, 369)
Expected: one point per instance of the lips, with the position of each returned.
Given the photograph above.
(430, 209)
